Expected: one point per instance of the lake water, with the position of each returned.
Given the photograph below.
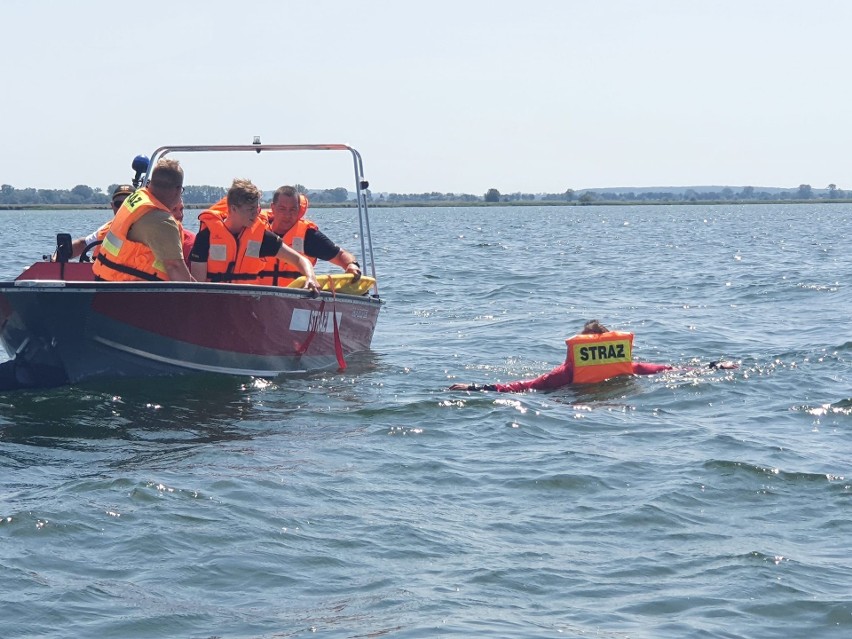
(375, 503)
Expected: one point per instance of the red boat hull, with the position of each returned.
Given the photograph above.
(102, 329)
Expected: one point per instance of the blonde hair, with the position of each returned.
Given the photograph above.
(243, 192)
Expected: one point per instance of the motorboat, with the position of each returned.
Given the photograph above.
(62, 326)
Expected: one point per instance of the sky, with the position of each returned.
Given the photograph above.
(451, 96)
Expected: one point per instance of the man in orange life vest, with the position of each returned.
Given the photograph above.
(234, 245)
(120, 194)
(594, 355)
(287, 220)
(144, 240)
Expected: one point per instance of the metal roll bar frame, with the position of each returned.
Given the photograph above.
(361, 184)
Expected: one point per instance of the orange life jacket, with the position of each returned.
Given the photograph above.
(100, 234)
(595, 358)
(121, 259)
(280, 273)
(187, 239)
(232, 259)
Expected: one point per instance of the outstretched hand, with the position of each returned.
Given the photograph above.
(725, 365)
(459, 387)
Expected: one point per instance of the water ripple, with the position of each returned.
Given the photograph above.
(374, 502)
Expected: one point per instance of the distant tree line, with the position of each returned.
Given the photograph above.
(434, 196)
(80, 194)
(83, 195)
(747, 193)
(327, 196)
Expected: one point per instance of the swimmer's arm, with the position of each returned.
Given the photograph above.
(722, 365)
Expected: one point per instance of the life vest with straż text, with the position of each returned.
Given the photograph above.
(595, 358)
(121, 259)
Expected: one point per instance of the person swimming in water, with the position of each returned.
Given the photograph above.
(596, 354)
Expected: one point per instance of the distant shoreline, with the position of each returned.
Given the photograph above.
(447, 204)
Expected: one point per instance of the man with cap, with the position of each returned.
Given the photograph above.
(287, 220)
(118, 196)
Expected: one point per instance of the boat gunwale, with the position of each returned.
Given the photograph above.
(178, 287)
